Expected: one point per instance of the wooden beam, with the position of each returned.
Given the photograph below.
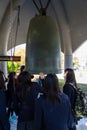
(10, 58)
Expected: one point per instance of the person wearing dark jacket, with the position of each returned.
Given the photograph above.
(70, 88)
(52, 109)
(4, 122)
(11, 87)
(40, 80)
(27, 92)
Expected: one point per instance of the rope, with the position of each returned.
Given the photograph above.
(11, 22)
(17, 25)
(12, 37)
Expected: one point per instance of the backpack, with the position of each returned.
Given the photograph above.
(80, 109)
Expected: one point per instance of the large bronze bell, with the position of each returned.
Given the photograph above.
(43, 51)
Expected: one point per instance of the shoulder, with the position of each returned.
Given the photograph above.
(41, 98)
(36, 85)
(34, 89)
(2, 92)
(65, 99)
(64, 96)
(37, 80)
(68, 87)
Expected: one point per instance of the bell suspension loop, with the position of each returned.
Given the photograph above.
(41, 9)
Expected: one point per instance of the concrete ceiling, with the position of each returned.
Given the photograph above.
(71, 13)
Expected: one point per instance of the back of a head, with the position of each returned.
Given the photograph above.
(51, 82)
(51, 87)
(70, 76)
(22, 68)
(24, 77)
(23, 85)
(11, 75)
(2, 81)
(68, 69)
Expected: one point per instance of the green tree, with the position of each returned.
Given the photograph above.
(75, 62)
(12, 66)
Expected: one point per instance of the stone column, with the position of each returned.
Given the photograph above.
(5, 29)
(68, 57)
(63, 24)
(4, 35)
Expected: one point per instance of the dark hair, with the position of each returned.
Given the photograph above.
(51, 88)
(22, 68)
(11, 82)
(70, 77)
(11, 75)
(2, 81)
(24, 83)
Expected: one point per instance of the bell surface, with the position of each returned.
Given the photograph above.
(43, 50)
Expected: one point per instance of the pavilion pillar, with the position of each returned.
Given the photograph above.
(5, 30)
(68, 56)
(65, 34)
(4, 35)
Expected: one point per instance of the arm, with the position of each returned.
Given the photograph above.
(71, 122)
(68, 90)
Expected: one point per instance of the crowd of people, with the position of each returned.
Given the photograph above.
(51, 110)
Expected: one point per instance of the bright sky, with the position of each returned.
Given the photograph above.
(81, 54)
(17, 48)
(82, 50)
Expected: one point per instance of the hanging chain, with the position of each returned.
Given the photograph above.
(11, 23)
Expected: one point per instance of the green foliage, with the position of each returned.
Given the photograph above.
(82, 90)
(82, 86)
(80, 105)
(75, 62)
(12, 66)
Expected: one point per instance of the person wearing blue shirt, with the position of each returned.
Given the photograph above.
(52, 108)
(40, 80)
